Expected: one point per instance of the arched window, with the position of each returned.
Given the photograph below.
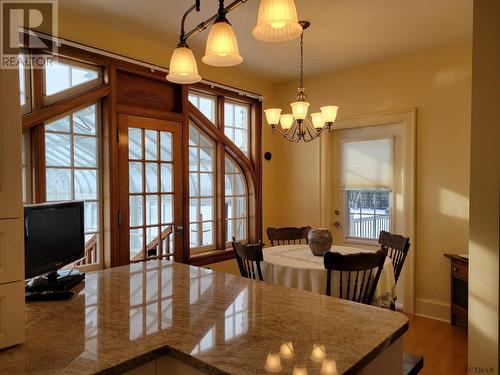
(236, 202)
(222, 171)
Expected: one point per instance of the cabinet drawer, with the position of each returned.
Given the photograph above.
(11, 250)
(11, 314)
(459, 271)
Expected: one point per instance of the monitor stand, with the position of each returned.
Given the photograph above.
(55, 281)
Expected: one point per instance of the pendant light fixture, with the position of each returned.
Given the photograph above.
(296, 127)
(222, 45)
(183, 67)
(277, 21)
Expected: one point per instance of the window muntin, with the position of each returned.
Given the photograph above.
(72, 169)
(236, 202)
(206, 104)
(201, 190)
(367, 213)
(237, 124)
(65, 78)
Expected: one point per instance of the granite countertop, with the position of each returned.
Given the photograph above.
(216, 322)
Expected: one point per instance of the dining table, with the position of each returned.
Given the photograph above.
(295, 266)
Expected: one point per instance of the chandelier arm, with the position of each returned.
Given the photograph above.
(203, 25)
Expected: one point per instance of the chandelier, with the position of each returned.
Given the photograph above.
(276, 22)
(295, 126)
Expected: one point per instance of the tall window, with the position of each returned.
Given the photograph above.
(236, 124)
(236, 202)
(201, 190)
(217, 217)
(72, 163)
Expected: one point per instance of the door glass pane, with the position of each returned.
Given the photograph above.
(368, 212)
(151, 177)
(151, 209)
(135, 143)
(166, 146)
(152, 235)
(135, 177)
(206, 184)
(57, 150)
(59, 186)
(206, 209)
(151, 145)
(208, 234)
(136, 210)
(136, 242)
(167, 209)
(193, 235)
(166, 178)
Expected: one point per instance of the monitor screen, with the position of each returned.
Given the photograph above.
(54, 236)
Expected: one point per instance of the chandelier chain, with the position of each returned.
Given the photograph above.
(302, 60)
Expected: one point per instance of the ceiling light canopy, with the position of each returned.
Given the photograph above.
(277, 21)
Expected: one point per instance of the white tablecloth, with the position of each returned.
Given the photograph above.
(295, 266)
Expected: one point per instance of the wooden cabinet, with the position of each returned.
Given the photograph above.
(11, 213)
(459, 289)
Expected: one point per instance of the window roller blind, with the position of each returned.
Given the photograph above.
(367, 165)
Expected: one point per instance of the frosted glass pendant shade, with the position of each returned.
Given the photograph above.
(273, 116)
(317, 119)
(277, 21)
(329, 113)
(183, 68)
(222, 46)
(299, 110)
(286, 121)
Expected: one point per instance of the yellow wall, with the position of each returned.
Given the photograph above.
(438, 84)
(485, 183)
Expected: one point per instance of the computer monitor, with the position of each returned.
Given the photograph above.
(54, 236)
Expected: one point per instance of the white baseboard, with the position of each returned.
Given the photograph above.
(432, 308)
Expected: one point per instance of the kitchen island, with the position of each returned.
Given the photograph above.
(150, 317)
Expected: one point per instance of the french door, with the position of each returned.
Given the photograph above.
(150, 172)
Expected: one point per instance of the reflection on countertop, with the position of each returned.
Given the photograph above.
(210, 320)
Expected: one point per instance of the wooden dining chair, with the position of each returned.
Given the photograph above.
(397, 248)
(287, 235)
(249, 257)
(358, 274)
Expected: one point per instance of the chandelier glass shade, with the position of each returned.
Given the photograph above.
(222, 46)
(296, 127)
(277, 21)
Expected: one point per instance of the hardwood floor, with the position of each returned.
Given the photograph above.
(443, 346)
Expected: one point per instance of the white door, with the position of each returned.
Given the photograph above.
(367, 186)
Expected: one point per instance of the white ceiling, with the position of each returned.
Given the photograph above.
(343, 32)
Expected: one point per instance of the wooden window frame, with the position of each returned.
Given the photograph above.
(249, 165)
(106, 93)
